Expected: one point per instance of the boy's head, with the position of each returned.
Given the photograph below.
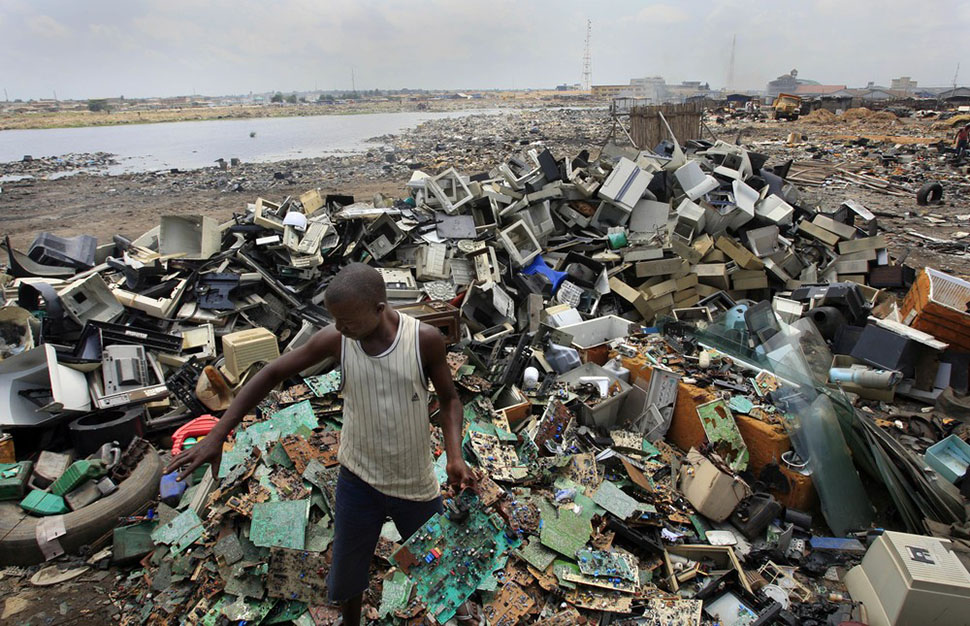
(357, 298)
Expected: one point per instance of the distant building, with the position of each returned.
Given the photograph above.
(689, 90)
(787, 83)
(611, 91)
(816, 90)
(653, 88)
(903, 83)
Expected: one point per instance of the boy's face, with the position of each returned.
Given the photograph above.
(355, 318)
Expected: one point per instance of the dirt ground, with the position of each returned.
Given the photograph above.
(79, 602)
(106, 206)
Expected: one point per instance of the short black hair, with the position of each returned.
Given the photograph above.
(357, 281)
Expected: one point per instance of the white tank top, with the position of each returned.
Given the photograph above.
(386, 436)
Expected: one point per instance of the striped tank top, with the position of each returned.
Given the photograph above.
(386, 436)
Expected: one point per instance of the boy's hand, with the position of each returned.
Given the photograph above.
(209, 450)
(460, 476)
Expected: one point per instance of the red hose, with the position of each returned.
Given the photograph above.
(197, 427)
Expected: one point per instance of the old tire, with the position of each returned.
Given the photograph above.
(18, 544)
(930, 193)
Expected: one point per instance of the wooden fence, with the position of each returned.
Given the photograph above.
(647, 129)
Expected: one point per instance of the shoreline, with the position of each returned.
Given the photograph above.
(88, 119)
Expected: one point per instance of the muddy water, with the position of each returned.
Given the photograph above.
(192, 145)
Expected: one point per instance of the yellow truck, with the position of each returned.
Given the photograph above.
(786, 106)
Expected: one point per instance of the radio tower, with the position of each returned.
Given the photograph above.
(587, 70)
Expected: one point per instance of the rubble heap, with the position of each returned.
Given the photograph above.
(684, 388)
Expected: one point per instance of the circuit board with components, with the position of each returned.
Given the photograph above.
(450, 556)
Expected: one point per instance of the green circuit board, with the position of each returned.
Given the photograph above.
(450, 556)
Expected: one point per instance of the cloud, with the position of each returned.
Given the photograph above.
(169, 47)
(47, 26)
(662, 14)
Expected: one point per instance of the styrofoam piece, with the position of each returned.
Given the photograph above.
(90, 300)
(625, 185)
(520, 242)
(38, 369)
(694, 181)
(192, 237)
(649, 216)
(775, 210)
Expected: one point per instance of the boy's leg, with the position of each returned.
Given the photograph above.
(409, 515)
(360, 513)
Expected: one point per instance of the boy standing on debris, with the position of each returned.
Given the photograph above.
(963, 137)
(385, 446)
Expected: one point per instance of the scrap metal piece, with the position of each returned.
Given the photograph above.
(448, 559)
(510, 605)
(296, 575)
(324, 384)
(395, 593)
(213, 289)
(723, 433)
(280, 524)
(181, 532)
(614, 500)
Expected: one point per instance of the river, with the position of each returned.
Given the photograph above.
(192, 145)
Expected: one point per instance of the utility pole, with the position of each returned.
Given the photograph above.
(730, 78)
(587, 69)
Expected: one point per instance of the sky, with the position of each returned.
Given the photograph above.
(144, 48)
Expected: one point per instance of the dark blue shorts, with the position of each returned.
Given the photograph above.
(360, 513)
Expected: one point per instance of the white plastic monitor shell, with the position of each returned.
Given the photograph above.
(775, 210)
(625, 185)
(649, 216)
(525, 235)
(99, 302)
(694, 181)
(459, 194)
(192, 237)
(692, 214)
(37, 369)
(745, 197)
